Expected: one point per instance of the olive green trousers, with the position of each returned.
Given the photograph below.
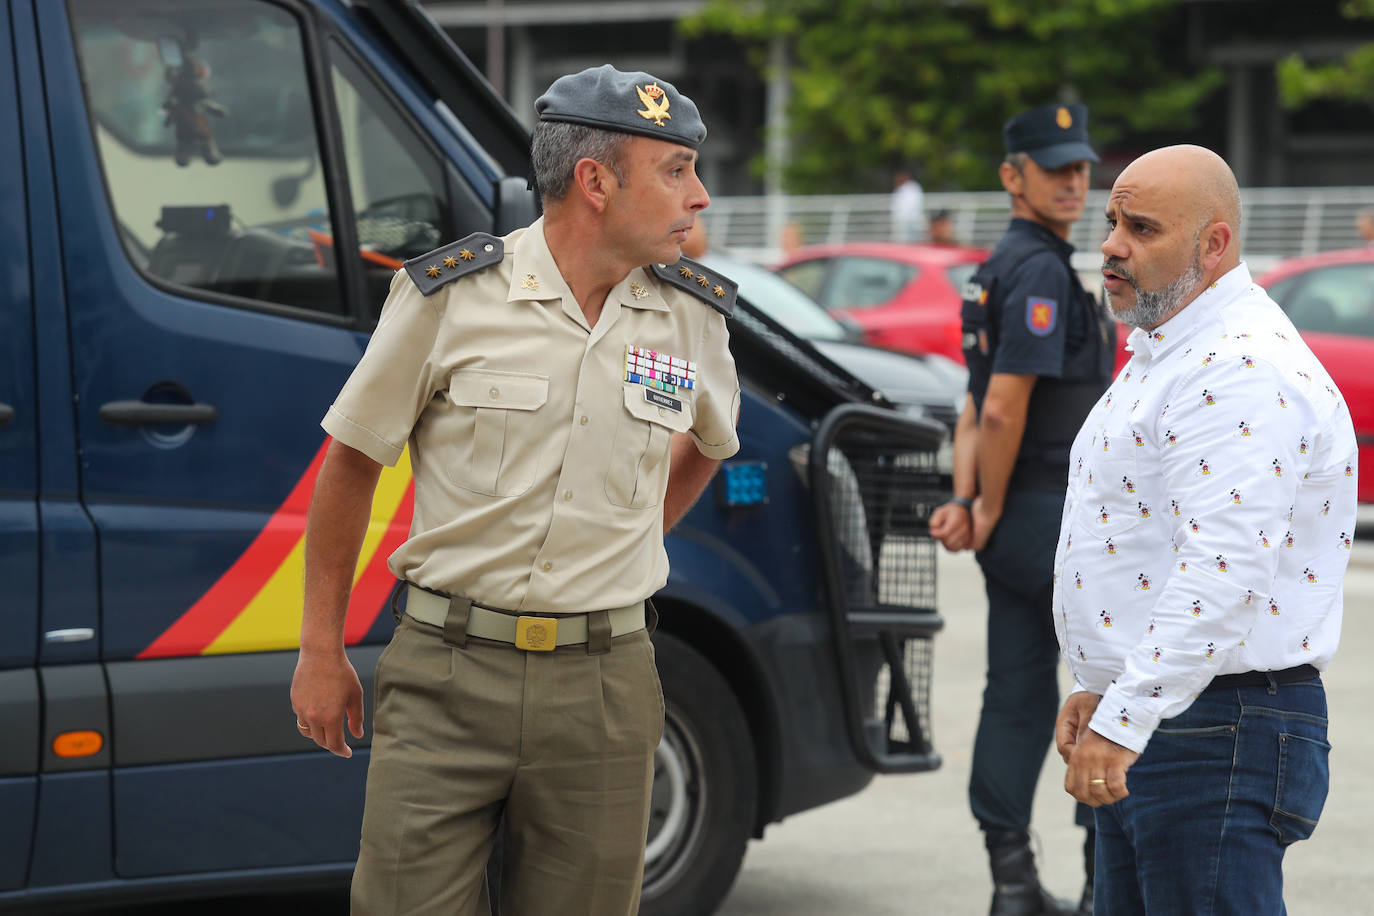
(559, 744)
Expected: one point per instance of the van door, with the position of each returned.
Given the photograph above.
(212, 324)
(18, 495)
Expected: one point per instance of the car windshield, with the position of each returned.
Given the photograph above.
(1336, 300)
(780, 300)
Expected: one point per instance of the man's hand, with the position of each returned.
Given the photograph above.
(1097, 766)
(950, 524)
(324, 690)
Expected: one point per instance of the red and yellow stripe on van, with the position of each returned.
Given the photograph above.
(256, 605)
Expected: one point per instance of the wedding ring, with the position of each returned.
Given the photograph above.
(1097, 782)
(302, 726)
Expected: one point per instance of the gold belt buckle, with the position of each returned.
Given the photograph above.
(536, 634)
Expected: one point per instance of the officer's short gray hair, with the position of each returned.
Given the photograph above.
(1018, 161)
(558, 146)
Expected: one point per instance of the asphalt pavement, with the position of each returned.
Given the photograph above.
(907, 845)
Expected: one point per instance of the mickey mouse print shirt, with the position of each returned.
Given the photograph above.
(1209, 513)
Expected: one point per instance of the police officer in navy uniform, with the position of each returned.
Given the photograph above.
(1039, 351)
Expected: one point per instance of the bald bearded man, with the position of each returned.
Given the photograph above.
(1198, 574)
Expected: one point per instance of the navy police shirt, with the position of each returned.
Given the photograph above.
(1026, 313)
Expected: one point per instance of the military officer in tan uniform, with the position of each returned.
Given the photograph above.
(566, 392)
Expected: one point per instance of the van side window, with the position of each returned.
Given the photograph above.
(204, 126)
(397, 183)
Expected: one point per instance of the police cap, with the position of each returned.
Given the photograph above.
(1052, 135)
(630, 103)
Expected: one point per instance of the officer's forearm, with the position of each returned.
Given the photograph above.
(334, 532)
(1000, 429)
(688, 475)
(966, 451)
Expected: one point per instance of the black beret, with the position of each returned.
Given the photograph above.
(1052, 135)
(630, 103)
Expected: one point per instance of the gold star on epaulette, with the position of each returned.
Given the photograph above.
(450, 261)
(466, 255)
(701, 279)
(433, 270)
(686, 272)
(719, 291)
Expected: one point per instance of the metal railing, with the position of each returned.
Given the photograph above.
(1277, 222)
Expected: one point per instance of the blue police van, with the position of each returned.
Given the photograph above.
(203, 204)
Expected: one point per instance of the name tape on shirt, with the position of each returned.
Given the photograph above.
(659, 370)
(662, 400)
(1041, 315)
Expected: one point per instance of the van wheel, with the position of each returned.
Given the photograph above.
(705, 792)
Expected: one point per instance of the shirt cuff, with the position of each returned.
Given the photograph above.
(361, 438)
(1115, 721)
(718, 452)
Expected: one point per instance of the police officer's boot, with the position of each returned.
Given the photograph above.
(1085, 904)
(1016, 889)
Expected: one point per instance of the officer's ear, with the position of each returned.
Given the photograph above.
(592, 181)
(1013, 179)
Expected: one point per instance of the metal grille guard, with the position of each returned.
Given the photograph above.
(874, 481)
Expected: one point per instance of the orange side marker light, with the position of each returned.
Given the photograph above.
(78, 744)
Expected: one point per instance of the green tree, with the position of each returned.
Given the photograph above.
(877, 84)
(1351, 79)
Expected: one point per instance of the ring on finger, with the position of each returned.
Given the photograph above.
(302, 726)
(1097, 782)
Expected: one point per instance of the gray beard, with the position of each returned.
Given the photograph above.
(1152, 307)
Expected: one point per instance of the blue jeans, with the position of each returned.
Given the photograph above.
(1216, 798)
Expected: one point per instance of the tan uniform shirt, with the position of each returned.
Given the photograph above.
(539, 468)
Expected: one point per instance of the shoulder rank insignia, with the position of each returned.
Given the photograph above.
(444, 265)
(711, 287)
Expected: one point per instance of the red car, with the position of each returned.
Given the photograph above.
(1329, 297)
(903, 297)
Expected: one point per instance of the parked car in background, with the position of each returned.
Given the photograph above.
(1330, 298)
(905, 297)
(928, 385)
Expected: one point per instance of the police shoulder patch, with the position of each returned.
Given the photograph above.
(713, 288)
(1041, 315)
(444, 265)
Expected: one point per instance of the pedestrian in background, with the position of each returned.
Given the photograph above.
(1039, 352)
(520, 683)
(908, 208)
(1206, 533)
(940, 229)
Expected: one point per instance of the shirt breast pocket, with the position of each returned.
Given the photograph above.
(497, 435)
(638, 469)
(1112, 503)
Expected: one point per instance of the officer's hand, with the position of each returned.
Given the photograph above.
(1073, 718)
(950, 525)
(983, 523)
(324, 690)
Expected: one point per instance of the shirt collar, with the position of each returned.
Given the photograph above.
(534, 273)
(638, 291)
(1031, 227)
(1159, 341)
(535, 277)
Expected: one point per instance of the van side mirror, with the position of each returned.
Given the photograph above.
(516, 205)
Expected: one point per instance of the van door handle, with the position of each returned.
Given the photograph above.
(138, 413)
(6, 414)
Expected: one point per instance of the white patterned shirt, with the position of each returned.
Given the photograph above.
(1209, 514)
